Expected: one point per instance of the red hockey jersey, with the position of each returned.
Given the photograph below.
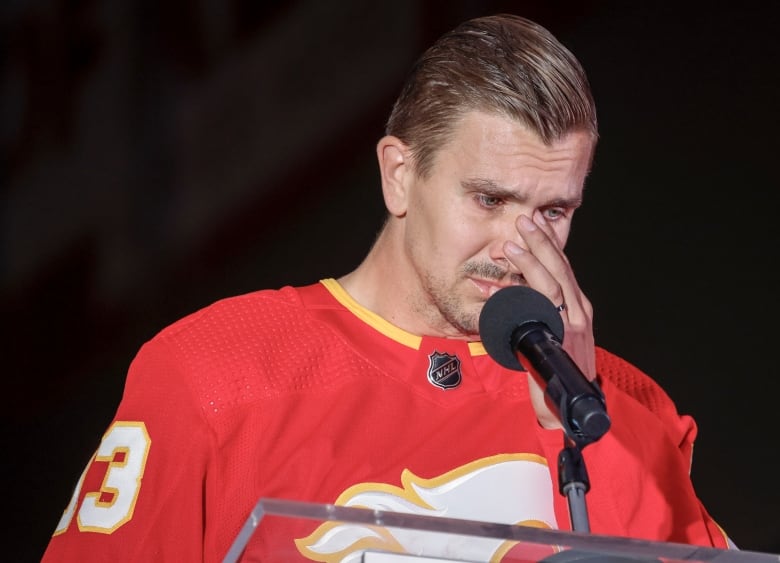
(302, 394)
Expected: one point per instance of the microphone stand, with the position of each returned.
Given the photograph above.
(573, 480)
(573, 483)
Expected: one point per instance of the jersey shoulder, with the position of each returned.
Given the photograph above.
(632, 380)
(254, 346)
(250, 327)
(619, 373)
(250, 311)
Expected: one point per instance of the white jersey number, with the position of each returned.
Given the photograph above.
(125, 447)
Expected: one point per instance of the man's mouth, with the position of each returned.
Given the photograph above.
(489, 287)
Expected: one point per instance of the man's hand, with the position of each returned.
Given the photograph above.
(547, 269)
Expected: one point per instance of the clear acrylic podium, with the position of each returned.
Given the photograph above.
(286, 531)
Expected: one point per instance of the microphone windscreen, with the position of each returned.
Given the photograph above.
(504, 314)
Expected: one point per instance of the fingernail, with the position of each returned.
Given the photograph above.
(526, 223)
(513, 248)
(539, 219)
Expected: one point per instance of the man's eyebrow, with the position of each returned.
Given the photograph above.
(489, 187)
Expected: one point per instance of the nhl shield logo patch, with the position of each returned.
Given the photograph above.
(444, 370)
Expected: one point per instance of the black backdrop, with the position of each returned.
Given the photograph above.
(675, 244)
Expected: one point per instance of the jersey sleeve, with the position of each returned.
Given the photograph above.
(141, 496)
(681, 430)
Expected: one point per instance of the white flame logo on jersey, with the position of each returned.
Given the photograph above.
(506, 489)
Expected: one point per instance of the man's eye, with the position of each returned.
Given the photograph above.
(489, 200)
(553, 213)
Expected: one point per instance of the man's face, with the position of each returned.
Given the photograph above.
(458, 219)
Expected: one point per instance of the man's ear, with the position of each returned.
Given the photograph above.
(395, 171)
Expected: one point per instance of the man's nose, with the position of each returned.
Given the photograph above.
(507, 231)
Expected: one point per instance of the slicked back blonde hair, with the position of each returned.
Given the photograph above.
(502, 64)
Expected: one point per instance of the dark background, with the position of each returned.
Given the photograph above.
(159, 156)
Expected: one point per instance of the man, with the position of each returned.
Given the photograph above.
(374, 389)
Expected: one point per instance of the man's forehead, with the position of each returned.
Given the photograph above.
(497, 128)
(487, 144)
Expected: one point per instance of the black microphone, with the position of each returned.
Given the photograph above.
(520, 319)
